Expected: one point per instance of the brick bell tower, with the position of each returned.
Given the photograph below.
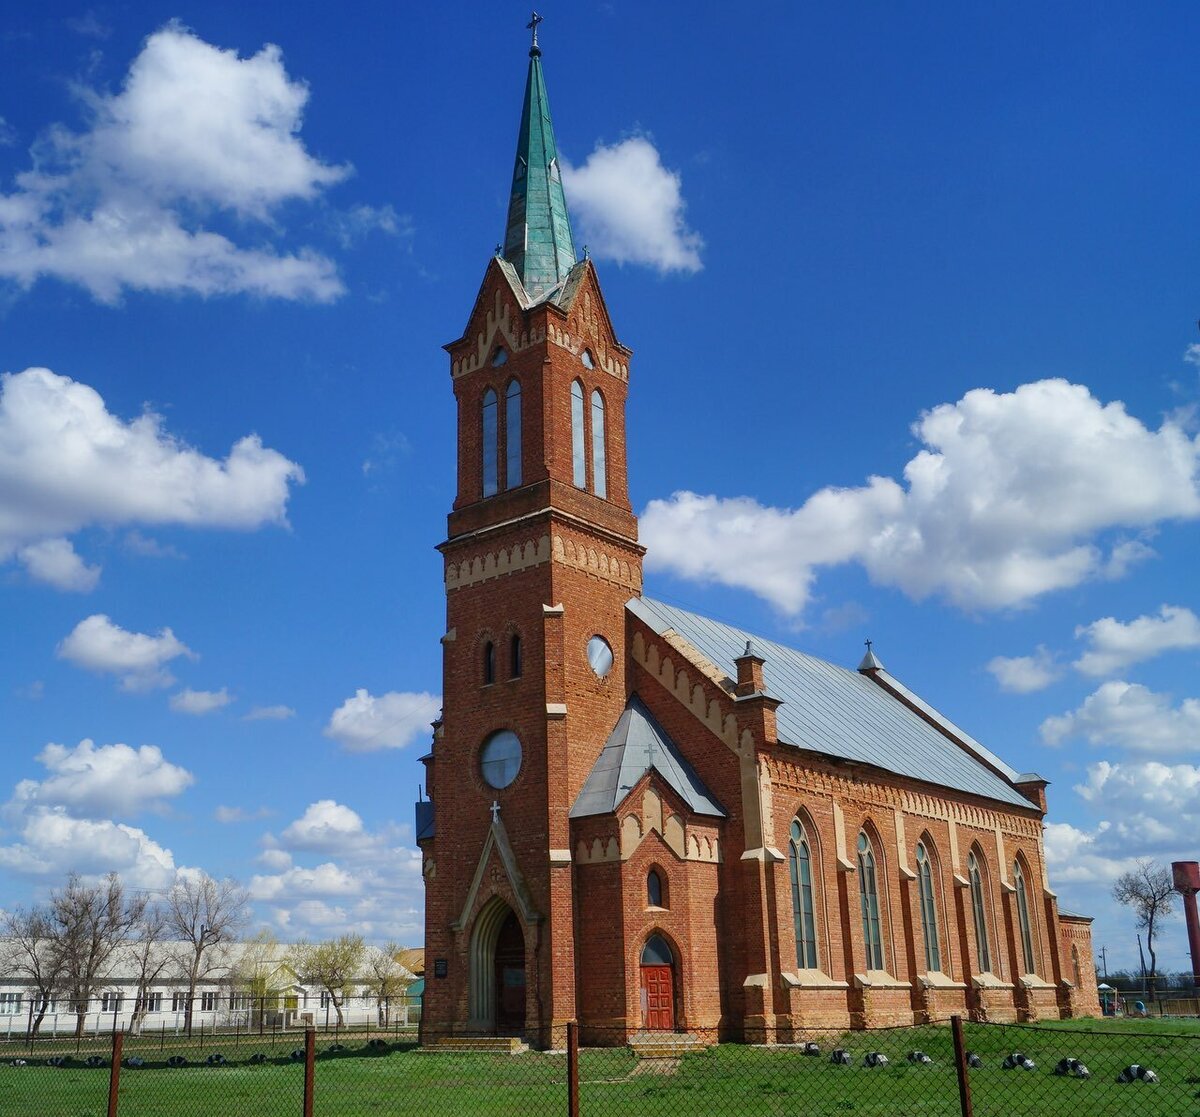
(540, 557)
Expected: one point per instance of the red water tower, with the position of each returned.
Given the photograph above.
(1187, 883)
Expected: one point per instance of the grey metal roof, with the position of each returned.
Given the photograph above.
(637, 744)
(832, 710)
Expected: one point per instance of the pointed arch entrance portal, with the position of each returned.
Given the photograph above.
(658, 985)
(496, 993)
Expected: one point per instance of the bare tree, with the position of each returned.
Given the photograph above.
(31, 955)
(88, 925)
(1150, 891)
(385, 977)
(257, 964)
(149, 957)
(331, 965)
(204, 913)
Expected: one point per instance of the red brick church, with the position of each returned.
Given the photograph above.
(643, 819)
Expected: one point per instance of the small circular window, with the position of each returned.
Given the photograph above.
(600, 655)
(500, 759)
(586, 358)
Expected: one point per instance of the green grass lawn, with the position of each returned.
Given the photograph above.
(731, 1080)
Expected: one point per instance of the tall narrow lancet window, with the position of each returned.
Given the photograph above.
(512, 435)
(578, 453)
(599, 474)
(491, 449)
(654, 890)
(800, 866)
(983, 954)
(929, 927)
(489, 663)
(1023, 919)
(868, 894)
(514, 657)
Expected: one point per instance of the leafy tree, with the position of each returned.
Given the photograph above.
(331, 965)
(1149, 889)
(89, 923)
(31, 955)
(204, 914)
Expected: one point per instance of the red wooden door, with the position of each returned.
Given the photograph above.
(659, 998)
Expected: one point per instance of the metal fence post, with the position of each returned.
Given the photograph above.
(310, 1067)
(114, 1072)
(960, 1065)
(572, 1069)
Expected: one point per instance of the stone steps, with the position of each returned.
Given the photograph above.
(663, 1045)
(496, 1045)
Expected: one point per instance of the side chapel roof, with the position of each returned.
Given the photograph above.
(841, 713)
(637, 744)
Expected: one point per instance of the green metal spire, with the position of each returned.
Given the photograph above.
(538, 240)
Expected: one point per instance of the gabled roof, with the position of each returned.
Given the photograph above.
(636, 745)
(841, 713)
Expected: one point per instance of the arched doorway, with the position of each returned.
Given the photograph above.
(496, 988)
(658, 985)
(510, 977)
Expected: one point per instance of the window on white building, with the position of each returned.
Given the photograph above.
(10, 1004)
(208, 1001)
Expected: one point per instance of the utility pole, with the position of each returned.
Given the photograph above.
(1104, 961)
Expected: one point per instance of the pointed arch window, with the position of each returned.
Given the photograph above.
(654, 889)
(491, 448)
(803, 916)
(929, 927)
(512, 435)
(578, 453)
(868, 894)
(514, 657)
(599, 471)
(983, 953)
(1023, 919)
(489, 663)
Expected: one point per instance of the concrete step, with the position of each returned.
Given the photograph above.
(502, 1045)
(663, 1045)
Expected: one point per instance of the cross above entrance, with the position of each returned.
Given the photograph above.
(495, 811)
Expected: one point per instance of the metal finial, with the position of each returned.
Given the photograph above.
(587, 252)
(499, 249)
(868, 643)
(532, 25)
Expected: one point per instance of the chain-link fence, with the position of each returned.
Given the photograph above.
(984, 1069)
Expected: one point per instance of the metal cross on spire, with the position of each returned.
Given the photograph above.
(532, 25)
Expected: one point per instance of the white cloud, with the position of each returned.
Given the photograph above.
(55, 562)
(1130, 716)
(66, 463)
(1115, 646)
(326, 827)
(1009, 499)
(1192, 355)
(1154, 807)
(137, 659)
(199, 702)
(195, 132)
(630, 207)
(299, 884)
(8, 135)
(108, 781)
(270, 713)
(52, 844)
(391, 721)
(1024, 674)
(138, 544)
(358, 222)
(1075, 856)
(275, 859)
(229, 815)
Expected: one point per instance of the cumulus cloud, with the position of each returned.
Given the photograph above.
(1010, 498)
(270, 713)
(325, 827)
(1130, 716)
(275, 859)
(196, 133)
(107, 780)
(1155, 807)
(137, 659)
(199, 702)
(1115, 646)
(52, 843)
(297, 883)
(1024, 674)
(393, 720)
(1076, 856)
(230, 815)
(630, 207)
(1192, 355)
(55, 562)
(66, 462)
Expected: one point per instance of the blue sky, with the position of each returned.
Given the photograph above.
(911, 290)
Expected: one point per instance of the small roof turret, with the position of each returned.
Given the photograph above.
(538, 241)
(870, 661)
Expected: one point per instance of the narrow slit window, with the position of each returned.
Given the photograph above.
(599, 470)
(489, 663)
(800, 866)
(512, 435)
(868, 894)
(1023, 919)
(514, 657)
(929, 926)
(578, 454)
(983, 954)
(654, 889)
(490, 444)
